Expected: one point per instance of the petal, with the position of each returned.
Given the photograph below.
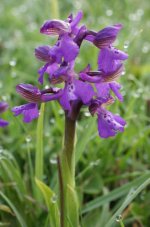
(29, 92)
(52, 68)
(42, 53)
(64, 100)
(107, 36)
(115, 87)
(29, 110)
(109, 124)
(68, 44)
(55, 27)
(84, 91)
(106, 62)
(76, 21)
(103, 128)
(91, 79)
(120, 120)
(41, 72)
(19, 109)
(3, 123)
(58, 75)
(55, 53)
(49, 97)
(109, 59)
(103, 90)
(3, 106)
(30, 114)
(118, 54)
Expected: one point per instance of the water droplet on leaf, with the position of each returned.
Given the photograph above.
(28, 139)
(53, 161)
(119, 218)
(12, 63)
(126, 44)
(54, 199)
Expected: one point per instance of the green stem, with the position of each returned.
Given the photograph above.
(69, 140)
(68, 198)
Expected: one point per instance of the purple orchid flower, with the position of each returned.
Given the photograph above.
(85, 88)
(108, 124)
(3, 108)
(34, 96)
(55, 55)
(30, 110)
(76, 90)
(110, 59)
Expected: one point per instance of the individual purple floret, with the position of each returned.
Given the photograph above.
(3, 108)
(34, 96)
(30, 110)
(90, 88)
(108, 124)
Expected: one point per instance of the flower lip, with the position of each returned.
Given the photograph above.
(55, 27)
(107, 36)
(29, 92)
(3, 107)
(112, 76)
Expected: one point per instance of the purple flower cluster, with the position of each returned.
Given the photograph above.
(3, 108)
(85, 88)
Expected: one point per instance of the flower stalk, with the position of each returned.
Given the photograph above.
(68, 198)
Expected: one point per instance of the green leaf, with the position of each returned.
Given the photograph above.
(72, 206)
(115, 194)
(50, 200)
(6, 209)
(16, 212)
(132, 195)
(12, 173)
(82, 143)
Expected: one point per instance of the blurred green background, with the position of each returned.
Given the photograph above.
(103, 166)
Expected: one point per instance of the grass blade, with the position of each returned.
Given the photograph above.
(128, 200)
(50, 201)
(39, 145)
(115, 194)
(16, 212)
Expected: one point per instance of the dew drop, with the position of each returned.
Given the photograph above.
(109, 12)
(61, 112)
(119, 218)
(28, 139)
(46, 87)
(126, 44)
(53, 161)
(52, 121)
(54, 199)
(12, 63)
(95, 163)
(87, 114)
(5, 97)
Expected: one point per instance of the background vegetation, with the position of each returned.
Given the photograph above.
(108, 171)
